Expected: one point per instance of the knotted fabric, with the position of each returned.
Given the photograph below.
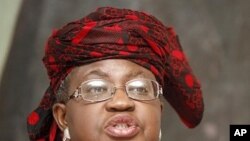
(111, 33)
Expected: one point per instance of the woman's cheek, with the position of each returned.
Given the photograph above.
(85, 122)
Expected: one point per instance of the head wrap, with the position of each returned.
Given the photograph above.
(111, 33)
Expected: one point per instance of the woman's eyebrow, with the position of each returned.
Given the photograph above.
(97, 72)
(135, 74)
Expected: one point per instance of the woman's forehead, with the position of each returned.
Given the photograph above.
(112, 68)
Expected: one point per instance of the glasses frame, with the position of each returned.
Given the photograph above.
(77, 93)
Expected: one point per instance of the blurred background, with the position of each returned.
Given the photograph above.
(215, 34)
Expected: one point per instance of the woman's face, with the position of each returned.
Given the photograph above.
(118, 118)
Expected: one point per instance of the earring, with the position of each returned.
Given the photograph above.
(66, 135)
(160, 135)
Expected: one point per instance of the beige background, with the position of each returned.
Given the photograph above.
(214, 34)
(8, 12)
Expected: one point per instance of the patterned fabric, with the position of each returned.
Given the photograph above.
(111, 33)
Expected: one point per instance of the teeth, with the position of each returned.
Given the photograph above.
(121, 126)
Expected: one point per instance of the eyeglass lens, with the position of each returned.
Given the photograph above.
(98, 89)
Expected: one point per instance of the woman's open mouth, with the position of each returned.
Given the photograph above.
(122, 126)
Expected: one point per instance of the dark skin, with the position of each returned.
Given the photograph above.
(86, 121)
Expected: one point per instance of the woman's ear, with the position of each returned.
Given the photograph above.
(162, 105)
(59, 113)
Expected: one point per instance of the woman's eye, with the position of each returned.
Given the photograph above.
(138, 90)
(97, 90)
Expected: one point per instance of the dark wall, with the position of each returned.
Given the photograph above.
(214, 34)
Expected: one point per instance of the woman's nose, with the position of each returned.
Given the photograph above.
(120, 102)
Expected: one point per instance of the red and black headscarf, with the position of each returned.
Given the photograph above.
(111, 33)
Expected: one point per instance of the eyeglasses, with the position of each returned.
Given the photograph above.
(96, 90)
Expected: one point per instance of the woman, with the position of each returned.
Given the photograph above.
(107, 72)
